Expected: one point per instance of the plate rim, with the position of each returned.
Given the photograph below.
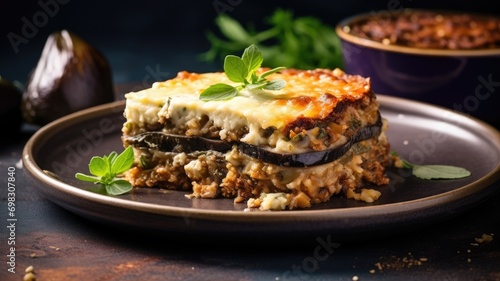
(41, 136)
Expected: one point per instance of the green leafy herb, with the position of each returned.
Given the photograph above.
(244, 71)
(428, 172)
(294, 42)
(106, 170)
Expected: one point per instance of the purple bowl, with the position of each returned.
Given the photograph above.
(464, 80)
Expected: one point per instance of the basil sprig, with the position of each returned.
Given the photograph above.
(428, 172)
(106, 170)
(244, 71)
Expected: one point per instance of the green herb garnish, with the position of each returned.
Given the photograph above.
(428, 172)
(303, 42)
(244, 71)
(106, 171)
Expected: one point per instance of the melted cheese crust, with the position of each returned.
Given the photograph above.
(308, 94)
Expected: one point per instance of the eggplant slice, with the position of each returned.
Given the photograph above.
(179, 143)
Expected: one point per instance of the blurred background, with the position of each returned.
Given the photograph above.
(152, 40)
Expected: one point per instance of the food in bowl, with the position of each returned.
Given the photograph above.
(445, 58)
(321, 135)
(431, 29)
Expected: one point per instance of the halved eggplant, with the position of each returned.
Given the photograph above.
(187, 144)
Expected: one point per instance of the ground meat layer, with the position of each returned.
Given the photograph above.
(235, 175)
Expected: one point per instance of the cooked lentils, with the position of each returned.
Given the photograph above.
(426, 29)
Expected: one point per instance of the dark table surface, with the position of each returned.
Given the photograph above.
(60, 245)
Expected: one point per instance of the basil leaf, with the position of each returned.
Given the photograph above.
(111, 156)
(88, 178)
(276, 84)
(243, 71)
(439, 172)
(254, 79)
(219, 91)
(269, 72)
(123, 161)
(98, 166)
(252, 57)
(118, 187)
(105, 170)
(257, 85)
(235, 69)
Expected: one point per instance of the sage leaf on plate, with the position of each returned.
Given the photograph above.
(428, 172)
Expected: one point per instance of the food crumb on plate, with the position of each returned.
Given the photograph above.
(29, 274)
(485, 238)
(399, 263)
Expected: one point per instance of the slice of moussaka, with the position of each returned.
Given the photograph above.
(319, 136)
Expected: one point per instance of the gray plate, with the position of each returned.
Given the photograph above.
(418, 132)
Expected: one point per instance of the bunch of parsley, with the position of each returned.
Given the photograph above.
(293, 42)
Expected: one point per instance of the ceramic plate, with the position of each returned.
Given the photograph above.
(419, 132)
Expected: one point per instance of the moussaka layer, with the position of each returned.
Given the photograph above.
(319, 136)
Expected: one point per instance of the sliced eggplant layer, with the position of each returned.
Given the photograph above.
(179, 143)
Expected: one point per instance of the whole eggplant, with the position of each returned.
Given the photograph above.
(71, 75)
